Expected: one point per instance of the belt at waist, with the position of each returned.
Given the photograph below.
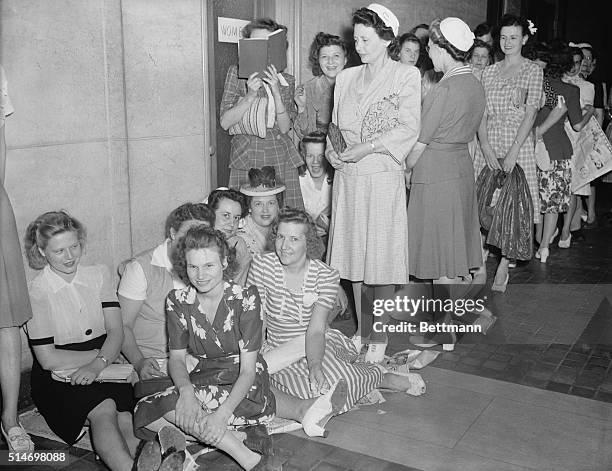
(448, 146)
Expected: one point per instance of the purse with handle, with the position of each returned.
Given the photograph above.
(253, 121)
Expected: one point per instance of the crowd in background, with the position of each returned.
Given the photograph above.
(445, 145)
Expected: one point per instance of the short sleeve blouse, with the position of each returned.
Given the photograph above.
(70, 312)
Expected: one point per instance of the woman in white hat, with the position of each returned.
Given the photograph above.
(377, 109)
(444, 231)
(264, 200)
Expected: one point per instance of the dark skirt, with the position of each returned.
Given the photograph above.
(213, 380)
(65, 407)
(443, 228)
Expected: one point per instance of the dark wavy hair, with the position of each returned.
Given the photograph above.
(436, 37)
(369, 18)
(189, 211)
(536, 50)
(234, 195)
(559, 60)
(314, 245)
(480, 43)
(320, 41)
(482, 29)
(43, 228)
(408, 37)
(201, 237)
(262, 23)
(266, 177)
(315, 137)
(513, 20)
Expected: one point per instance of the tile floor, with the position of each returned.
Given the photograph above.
(534, 394)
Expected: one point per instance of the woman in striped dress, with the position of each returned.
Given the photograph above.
(298, 291)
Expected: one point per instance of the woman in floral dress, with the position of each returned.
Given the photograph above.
(219, 323)
(513, 88)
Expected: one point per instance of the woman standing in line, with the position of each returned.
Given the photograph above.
(315, 99)
(444, 232)
(276, 149)
(15, 307)
(377, 109)
(513, 88)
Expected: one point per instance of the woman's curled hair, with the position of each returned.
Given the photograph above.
(217, 196)
(513, 20)
(262, 23)
(436, 37)
(320, 41)
(314, 245)
(43, 228)
(369, 18)
(201, 237)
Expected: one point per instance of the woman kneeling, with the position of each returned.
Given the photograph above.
(219, 323)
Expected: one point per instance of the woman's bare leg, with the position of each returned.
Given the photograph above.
(569, 216)
(107, 437)
(126, 425)
(10, 374)
(357, 285)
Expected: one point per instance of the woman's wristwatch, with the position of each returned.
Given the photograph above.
(102, 357)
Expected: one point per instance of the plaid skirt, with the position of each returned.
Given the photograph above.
(555, 187)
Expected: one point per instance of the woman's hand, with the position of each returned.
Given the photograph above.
(355, 152)
(148, 368)
(317, 379)
(271, 78)
(300, 98)
(407, 178)
(510, 161)
(254, 83)
(188, 410)
(561, 103)
(334, 159)
(214, 428)
(85, 375)
(491, 160)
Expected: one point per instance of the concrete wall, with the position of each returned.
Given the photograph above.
(109, 121)
(335, 17)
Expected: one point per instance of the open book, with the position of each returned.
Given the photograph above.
(115, 373)
(256, 54)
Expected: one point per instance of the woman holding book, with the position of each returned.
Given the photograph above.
(76, 324)
(261, 142)
(377, 109)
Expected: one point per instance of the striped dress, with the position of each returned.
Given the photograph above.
(287, 315)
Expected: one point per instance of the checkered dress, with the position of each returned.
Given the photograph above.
(507, 99)
(276, 149)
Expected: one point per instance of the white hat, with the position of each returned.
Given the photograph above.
(456, 32)
(386, 15)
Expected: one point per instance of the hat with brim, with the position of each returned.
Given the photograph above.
(262, 190)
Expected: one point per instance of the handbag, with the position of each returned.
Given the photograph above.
(253, 121)
(335, 137)
(542, 157)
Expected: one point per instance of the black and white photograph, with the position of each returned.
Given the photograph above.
(305, 235)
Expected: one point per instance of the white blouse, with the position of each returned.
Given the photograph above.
(316, 201)
(70, 312)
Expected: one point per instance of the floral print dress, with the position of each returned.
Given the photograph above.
(237, 327)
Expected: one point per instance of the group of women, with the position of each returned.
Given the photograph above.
(235, 305)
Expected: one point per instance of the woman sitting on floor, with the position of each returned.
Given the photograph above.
(265, 197)
(76, 324)
(219, 323)
(230, 207)
(298, 291)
